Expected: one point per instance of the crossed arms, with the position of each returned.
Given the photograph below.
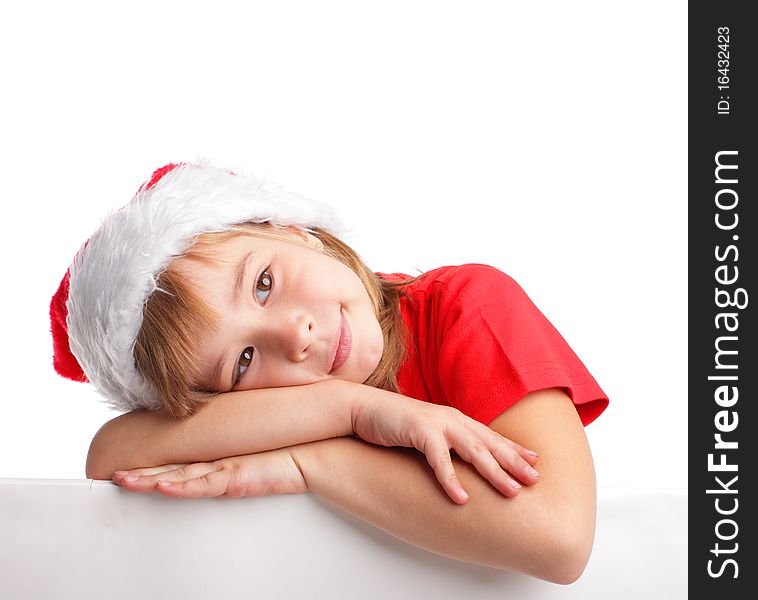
(546, 530)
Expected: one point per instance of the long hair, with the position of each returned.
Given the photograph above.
(175, 318)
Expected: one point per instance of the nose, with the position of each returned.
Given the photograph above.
(291, 335)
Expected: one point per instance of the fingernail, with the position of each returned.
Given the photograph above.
(464, 495)
(514, 485)
(120, 473)
(132, 477)
(164, 483)
(532, 453)
(533, 472)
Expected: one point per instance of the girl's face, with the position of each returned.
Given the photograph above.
(290, 315)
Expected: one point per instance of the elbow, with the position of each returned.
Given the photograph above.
(98, 463)
(96, 471)
(569, 559)
(564, 554)
(94, 468)
(557, 552)
(125, 442)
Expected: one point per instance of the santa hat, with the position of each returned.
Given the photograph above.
(96, 313)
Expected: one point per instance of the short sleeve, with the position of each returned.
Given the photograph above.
(495, 347)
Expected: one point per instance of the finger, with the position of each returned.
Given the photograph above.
(147, 482)
(489, 434)
(211, 484)
(150, 470)
(473, 450)
(437, 454)
(529, 456)
(507, 455)
(515, 464)
(513, 457)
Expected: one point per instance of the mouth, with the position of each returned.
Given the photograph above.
(344, 344)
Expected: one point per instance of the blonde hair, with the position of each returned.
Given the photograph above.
(175, 318)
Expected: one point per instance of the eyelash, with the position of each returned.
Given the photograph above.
(248, 356)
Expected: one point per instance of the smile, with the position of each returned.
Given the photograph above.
(344, 344)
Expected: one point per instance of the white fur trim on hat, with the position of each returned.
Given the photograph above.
(115, 271)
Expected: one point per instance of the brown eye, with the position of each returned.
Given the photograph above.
(244, 361)
(263, 286)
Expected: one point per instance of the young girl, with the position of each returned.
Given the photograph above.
(258, 355)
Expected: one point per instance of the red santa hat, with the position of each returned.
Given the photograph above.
(96, 313)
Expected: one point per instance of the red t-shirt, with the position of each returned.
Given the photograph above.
(483, 345)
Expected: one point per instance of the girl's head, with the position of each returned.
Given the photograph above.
(261, 306)
(209, 281)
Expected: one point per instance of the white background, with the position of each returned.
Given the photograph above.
(547, 139)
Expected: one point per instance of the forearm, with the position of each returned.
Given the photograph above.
(395, 490)
(229, 425)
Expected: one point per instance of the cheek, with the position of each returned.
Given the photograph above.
(323, 273)
(374, 344)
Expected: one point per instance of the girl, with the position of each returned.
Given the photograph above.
(258, 355)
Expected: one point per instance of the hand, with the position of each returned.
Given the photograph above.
(390, 419)
(260, 474)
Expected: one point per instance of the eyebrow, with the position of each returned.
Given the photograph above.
(239, 280)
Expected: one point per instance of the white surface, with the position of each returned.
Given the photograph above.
(545, 138)
(81, 539)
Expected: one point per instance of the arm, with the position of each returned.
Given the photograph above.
(231, 424)
(246, 423)
(546, 531)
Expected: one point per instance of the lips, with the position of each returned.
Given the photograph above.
(344, 344)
